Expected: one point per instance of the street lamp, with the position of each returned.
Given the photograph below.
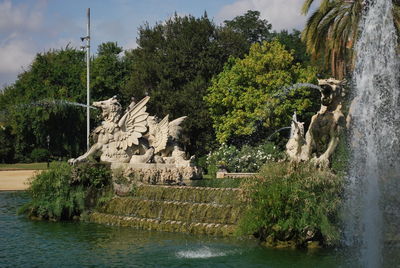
(87, 47)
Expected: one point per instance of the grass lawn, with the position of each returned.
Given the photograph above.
(22, 166)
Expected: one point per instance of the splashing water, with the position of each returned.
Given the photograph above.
(46, 103)
(201, 253)
(287, 90)
(374, 133)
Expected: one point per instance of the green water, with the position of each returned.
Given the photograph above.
(26, 243)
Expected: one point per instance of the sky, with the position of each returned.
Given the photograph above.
(28, 27)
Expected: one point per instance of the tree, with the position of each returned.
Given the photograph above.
(332, 30)
(36, 105)
(243, 99)
(174, 64)
(292, 42)
(6, 145)
(251, 26)
(109, 71)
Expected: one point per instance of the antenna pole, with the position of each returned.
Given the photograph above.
(88, 80)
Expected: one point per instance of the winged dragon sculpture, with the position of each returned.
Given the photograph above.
(135, 137)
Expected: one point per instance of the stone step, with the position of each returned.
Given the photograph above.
(222, 196)
(173, 210)
(163, 225)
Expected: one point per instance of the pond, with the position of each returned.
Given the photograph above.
(26, 243)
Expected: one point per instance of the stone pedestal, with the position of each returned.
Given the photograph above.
(127, 175)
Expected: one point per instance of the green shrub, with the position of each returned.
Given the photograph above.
(341, 157)
(294, 204)
(63, 192)
(248, 159)
(40, 155)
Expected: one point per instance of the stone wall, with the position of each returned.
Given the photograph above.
(200, 210)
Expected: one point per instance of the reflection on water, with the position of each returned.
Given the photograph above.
(25, 243)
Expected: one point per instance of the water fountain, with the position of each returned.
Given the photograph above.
(375, 135)
(54, 102)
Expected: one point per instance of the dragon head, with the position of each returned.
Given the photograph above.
(332, 90)
(111, 109)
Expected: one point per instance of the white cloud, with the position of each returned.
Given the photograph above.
(21, 17)
(15, 53)
(17, 47)
(130, 44)
(282, 14)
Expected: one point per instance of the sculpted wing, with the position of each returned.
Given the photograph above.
(159, 136)
(133, 124)
(175, 128)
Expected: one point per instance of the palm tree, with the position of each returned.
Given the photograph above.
(332, 30)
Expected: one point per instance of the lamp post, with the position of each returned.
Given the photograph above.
(87, 47)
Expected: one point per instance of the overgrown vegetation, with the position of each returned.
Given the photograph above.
(63, 192)
(250, 96)
(247, 159)
(292, 205)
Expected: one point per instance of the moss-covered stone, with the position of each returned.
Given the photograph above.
(162, 225)
(223, 196)
(173, 210)
(197, 210)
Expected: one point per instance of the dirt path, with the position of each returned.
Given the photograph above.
(11, 180)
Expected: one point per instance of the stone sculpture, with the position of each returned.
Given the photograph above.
(323, 133)
(296, 140)
(136, 139)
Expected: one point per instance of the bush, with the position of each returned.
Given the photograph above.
(248, 159)
(63, 192)
(295, 205)
(40, 155)
(7, 145)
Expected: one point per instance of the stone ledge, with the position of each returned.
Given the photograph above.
(173, 210)
(163, 225)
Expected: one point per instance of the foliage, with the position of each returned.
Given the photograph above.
(341, 157)
(41, 98)
(35, 117)
(247, 159)
(248, 96)
(251, 26)
(292, 42)
(63, 192)
(108, 72)
(294, 203)
(6, 145)
(40, 155)
(174, 63)
(333, 28)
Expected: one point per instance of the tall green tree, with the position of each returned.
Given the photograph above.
(36, 106)
(251, 26)
(249, 96)
(292, 42)
(332, 30)
(109, 71)
(174, 64)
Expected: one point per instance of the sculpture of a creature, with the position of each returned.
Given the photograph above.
(118, 137)
(163, 136)
(323, 133)
(135, 137)
(296, 140)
